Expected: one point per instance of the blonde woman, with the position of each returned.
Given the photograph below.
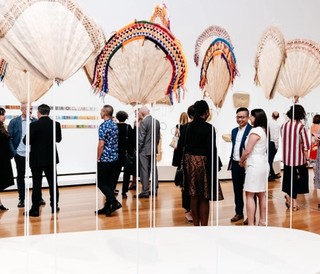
(183, 120)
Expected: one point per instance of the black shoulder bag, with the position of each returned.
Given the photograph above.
(179, 178)
(129, 161)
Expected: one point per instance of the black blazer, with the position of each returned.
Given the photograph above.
(41, 142)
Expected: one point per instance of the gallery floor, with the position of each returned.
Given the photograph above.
(78, 204)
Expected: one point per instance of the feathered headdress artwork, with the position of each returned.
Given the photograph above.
(214, 51)
(300, 73)
(141, 63)
(17, 80)
(269, 57)
(52, 39)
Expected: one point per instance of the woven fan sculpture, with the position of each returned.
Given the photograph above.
(269, 57)
(52, 39)
(300, 73)
(17, 82)
(214, 51)
(141, 63)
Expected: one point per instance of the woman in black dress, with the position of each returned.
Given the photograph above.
(125, 145)
(6, 174)
(200, 163)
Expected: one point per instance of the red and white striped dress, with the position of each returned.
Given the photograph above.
(295, 142)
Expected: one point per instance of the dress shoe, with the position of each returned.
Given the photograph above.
(53, 209)
(34, 213)
(277, 176)
(101, 211)
(42, 202)
(2, 208)
(124, 196)
(141, 196)
(271, 179)
(236, 218)
(115, 206)
(20, 204)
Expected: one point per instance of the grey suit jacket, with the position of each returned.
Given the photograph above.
(149, 132)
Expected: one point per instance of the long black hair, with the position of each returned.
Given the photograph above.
(260, 118)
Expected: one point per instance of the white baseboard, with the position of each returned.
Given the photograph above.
(166, 173)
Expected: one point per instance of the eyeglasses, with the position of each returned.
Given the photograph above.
(241, 117)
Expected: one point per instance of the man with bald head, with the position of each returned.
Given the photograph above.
(148, 140)
(274, 128)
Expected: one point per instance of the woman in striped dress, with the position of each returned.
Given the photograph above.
(295, 156)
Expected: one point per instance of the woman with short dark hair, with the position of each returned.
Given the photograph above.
(125, 145)
(295, 156)
(200, 162)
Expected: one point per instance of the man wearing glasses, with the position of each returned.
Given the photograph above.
(238, 138)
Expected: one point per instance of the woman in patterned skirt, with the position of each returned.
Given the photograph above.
(200, 163)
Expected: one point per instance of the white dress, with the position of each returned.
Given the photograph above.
(257, 167)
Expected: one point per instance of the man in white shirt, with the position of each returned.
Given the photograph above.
(274, 129)
(238, 138)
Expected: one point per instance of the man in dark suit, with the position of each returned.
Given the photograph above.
(238, 138)
(17, 130)
(42, 150)
(148, 140)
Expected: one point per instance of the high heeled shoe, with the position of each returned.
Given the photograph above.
(2, 208)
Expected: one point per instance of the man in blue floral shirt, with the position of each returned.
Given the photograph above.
(107, 158)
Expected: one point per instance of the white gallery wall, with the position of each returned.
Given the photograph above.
(245, 21)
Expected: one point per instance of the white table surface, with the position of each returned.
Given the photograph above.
(194, 250)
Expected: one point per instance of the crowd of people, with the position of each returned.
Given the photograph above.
(116, 142)
(255, 142)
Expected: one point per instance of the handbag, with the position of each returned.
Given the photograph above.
(175, 139)
(174, 142)
(179, 178)
(130, 159)
(129, 162)
(313, 151)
